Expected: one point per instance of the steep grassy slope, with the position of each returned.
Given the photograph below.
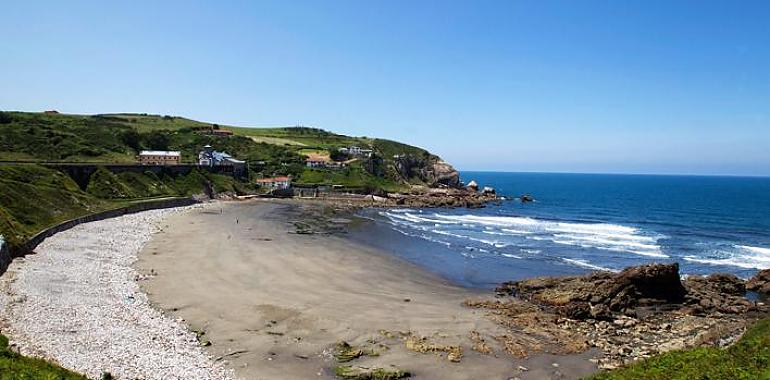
(33, 197)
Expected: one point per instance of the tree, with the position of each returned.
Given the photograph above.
(5, 118)
(157, 140)
(132, 138)
(336, 155)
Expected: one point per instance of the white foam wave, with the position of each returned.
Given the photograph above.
(605, 236)
(510, 256)
(586, 264)
(743, 256)
(516, 232)
(530, 251)
(758, 250)
(504, 221)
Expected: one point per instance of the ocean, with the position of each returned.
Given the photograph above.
(584, 222)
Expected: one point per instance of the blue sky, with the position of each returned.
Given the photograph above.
(573, 86)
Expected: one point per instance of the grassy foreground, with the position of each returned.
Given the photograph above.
(749, 358)
(16, 367)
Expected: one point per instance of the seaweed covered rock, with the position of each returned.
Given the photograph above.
(347, 372)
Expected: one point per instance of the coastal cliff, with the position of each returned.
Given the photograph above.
(431, 170)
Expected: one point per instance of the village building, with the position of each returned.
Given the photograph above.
(221, 132)
(356, 151)
(211, 158)
(315, 160)
(160, 157)
(214, 131)
(279, 183)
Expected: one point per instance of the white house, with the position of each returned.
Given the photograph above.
(356, 151)
(274, 182)
(209, 157)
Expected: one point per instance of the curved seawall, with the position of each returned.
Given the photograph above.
(5, 256)
(7, 253)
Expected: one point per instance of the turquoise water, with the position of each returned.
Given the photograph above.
(584, 222)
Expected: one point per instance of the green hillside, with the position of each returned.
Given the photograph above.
(117, 138)
(34, 197)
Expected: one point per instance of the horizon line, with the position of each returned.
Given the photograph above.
(616, 173)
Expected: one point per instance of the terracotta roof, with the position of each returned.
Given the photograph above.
(318, 157)
(274, 179)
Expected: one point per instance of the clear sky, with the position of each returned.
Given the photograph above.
(574, 86)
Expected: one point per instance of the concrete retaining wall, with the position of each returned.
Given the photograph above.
(7, 253)
(5, 257)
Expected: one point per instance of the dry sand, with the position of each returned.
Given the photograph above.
(273, 303)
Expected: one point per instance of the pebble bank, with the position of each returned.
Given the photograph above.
(77, 302)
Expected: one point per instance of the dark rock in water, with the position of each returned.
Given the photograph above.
(760, 282)
(526, 198)
(487, 190)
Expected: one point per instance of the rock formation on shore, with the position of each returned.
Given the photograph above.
(633, 292)
(760, 283)
(431, 170)
(628, 315)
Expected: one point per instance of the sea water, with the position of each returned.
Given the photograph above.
(584, 222)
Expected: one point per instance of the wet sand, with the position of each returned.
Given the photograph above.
(273, 303)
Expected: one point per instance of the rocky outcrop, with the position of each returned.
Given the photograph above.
(448, 197)
(633, 292)
(600, 295)
(627, 316)
(716, 293)
(442, 173)
(430, 170)
(760, 283)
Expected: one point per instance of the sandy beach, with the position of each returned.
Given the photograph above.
(273, 304)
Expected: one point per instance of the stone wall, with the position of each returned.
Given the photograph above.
(5, 257)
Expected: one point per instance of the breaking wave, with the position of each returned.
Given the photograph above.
(504, 231)
(741, 256)
(586, 264)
